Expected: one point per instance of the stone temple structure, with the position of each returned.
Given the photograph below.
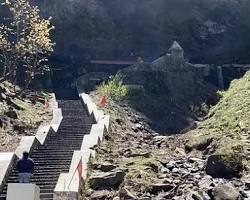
(172, 75)
(175, 83)
(176, 51)
(173, 60)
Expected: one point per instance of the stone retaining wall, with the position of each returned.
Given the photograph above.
(28, 143)
(69, 185)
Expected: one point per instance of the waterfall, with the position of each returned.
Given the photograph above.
(220, 77)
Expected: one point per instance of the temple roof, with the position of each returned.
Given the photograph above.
(176, 46)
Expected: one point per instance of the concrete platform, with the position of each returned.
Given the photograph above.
(17, 191)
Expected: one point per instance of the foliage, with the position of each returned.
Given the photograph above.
(228, 123)
(24, 41)
(114, 88)
(234, 157)
(201, 110)
(135, 90)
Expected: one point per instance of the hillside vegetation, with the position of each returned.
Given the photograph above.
(20, 116)
(227, 126)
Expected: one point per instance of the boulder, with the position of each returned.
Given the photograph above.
(1, 123)
(217, 167)
(107, 180)
(11, 114)
(125, 194)
(170, 165)
(99, 195)
(105, 167)
(145, 154)
(206, 183)
(160, 187)
(194, 196)
(247, 184)
(12, 103)
(3, 96)
(225, 192)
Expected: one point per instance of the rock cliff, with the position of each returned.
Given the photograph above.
(211, 31)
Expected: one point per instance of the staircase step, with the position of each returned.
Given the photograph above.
(54, 157)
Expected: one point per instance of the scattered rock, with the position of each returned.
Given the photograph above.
(139, 154)
(157, 138)
(206, 183)
(157, 188)
(170, 165)
(105, 167)
(180, 151)
(11, 114)
(19, 127)
(108, 180)
(164, 170)
(13, 104)
(194, 196)
(119, 121)
(195, 160)
(175, 170)
(1, 123)
(247, 184)
(99, 195)
(127, 195)
(3, 96)
(225, 192)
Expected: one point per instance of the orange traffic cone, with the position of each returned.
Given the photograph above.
(103, 101)
(46, 103)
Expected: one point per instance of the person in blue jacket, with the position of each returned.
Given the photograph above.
(25, 167)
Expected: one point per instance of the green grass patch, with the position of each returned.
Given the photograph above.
(114, 88)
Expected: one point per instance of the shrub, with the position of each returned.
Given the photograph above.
(135, 90)
(114, 88)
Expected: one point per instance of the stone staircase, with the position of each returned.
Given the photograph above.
(54, 157)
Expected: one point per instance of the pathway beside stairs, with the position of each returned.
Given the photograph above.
(54, 157)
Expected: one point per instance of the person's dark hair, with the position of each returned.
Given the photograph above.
(25, 154)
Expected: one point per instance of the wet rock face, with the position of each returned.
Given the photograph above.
(115, 28)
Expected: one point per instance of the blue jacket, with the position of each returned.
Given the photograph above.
(25, 166)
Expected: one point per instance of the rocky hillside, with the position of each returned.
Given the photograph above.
(20, 116)
(226, 129)
(134, 162)
(211, 31)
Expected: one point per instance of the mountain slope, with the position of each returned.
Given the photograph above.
(227, 126)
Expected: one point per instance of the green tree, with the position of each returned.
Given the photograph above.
(24, 41)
